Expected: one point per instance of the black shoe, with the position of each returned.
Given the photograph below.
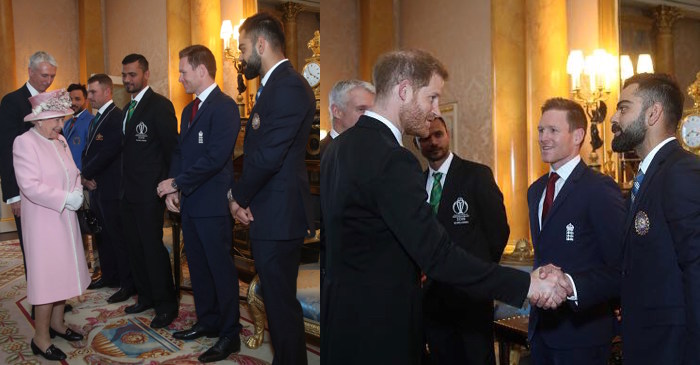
(137, 308)
(221, 350)
(97, 284)
(68, 336)
(120, 296)
(195, 332)
(67, 308)
(52, 353)
(163, 319)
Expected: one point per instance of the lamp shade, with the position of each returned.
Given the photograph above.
(574, 64)
(644, 64)
(226, 29)
(626, 68)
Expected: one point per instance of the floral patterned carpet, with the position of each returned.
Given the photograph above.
(112, 337)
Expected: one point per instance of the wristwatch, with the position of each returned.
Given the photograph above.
(229, 195)
(173, 184)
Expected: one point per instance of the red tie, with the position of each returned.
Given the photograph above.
(549, 195)
(194, 110)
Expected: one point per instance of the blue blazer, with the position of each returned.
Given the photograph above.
(202, 162)
(274, 182)
(660, 273)
(582, 231)
(102, 155)
(77, 136)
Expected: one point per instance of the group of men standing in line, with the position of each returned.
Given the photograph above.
(593, 248)
(135, 164)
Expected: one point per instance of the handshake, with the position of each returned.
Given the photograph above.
(549, 287)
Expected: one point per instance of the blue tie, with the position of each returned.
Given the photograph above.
(637, 183)
(257, 95)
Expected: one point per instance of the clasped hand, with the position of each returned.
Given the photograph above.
(74, 200)
(549, 287)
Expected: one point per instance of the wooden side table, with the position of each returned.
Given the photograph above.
(509, 331)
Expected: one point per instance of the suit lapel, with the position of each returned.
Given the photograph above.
(103, 117)
(569, 185)
(450, 188)
(537, 191)
(203, 108)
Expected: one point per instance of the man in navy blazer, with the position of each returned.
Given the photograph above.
(272, 195)
(13, 108)
(659, 279)
(76, 129)
(101, 175)
(201, 170)
(576, 215)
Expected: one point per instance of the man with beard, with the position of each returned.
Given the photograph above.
(272, 195)
(76, 129)
(150, 135)
(576, 218)
(380, 232)
(458, 328)
(659, 281)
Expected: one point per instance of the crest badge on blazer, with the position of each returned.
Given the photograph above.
(641, 223)
(141, 132)
(255, 121)
(460, 207)
(99, 137)
(76, 140)
(569, 232)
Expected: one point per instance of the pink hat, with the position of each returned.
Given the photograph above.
(48, 105)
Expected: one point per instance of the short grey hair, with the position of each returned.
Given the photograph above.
(39, 57)
(339, 93)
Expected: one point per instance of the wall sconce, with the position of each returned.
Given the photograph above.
(228, 33)
(644, 65)
(599, 69)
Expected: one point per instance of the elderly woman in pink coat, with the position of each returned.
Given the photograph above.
(51, 192)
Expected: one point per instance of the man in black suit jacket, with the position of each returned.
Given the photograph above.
(347, 101)
(659, 281)
(576, 217)
(150, 135)
(13, 108)
(101, 175)
(380, 233)
(201, 171)
(469, 205)
(272, 194)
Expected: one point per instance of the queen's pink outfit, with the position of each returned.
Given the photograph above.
(53, 246)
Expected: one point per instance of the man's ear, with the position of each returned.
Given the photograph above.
(261, 45)
(336, 111)
(654, 114)
(579, 135)
(405, 89)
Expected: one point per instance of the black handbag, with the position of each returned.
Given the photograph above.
(87, 220)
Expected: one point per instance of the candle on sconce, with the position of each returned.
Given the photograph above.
(574, 67)
(226, 32)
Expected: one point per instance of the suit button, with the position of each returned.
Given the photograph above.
(624, 272)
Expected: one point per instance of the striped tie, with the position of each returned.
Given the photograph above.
(637, 183)
(130, 111)
(436, 191)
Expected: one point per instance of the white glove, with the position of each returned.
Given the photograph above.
(74, 200)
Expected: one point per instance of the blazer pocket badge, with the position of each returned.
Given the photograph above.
(569, 232)
(99, 137)
(460, 208)
(255, 122)
(76, 140)
(641, 223)
(141, 132)
(200, 139)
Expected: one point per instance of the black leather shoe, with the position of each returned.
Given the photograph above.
(195, 332)
(97, 284)
(137, 308)
(163, 319)
(221, 350)
(52, 353)
(120, 296)
(68, 336)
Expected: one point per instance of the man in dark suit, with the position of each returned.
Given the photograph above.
(347, 101)
(201, 171)
(150, 135)
(469, 205)
(659, 281)
(576, 217)
(380, 232)
(76, 129)
(272, 194)
(101, 175)
(13, 108)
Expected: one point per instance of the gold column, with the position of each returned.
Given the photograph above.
(91, 49)
(547, 51)
(376, 33)
(179, 37)
(7, 48)
(510, 111)
(290, 11)
(664, 18)
(205, 26)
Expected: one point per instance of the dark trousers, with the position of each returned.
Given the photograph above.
(453, 343)
(18, 223)
(111, 245)
(277, 264)
(149, 259)
(542, 354)
(214, 277)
